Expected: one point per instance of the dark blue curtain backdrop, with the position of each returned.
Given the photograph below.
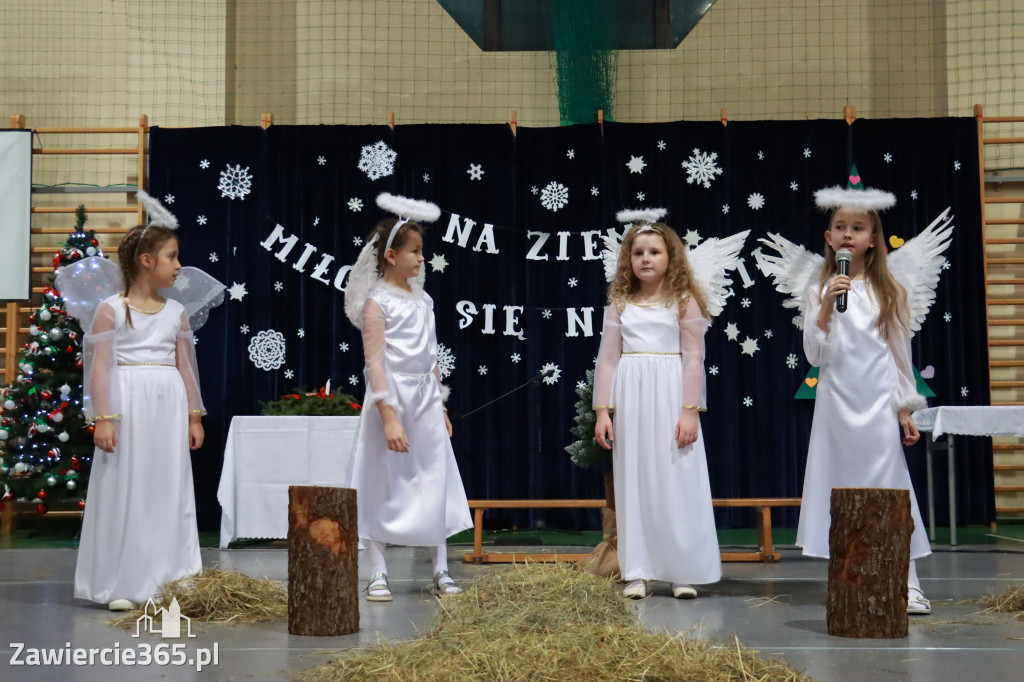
(514, 268)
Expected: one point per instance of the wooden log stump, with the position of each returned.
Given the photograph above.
(323, 547)
(869, 556)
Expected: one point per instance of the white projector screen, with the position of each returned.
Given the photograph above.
(15, 213)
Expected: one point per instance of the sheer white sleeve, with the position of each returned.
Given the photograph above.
(906, 390)
(818, 345)
(374, 350)
(608, 358)
(99, 361)
(185, 359)
(692, 327)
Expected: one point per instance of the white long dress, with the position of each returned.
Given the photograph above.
(139, 529)
(856, 439)
(415, 497)
(650, 365)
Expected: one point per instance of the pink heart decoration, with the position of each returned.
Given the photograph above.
(928, 372)
(855, 179)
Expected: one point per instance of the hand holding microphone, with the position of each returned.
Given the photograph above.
(843, 258)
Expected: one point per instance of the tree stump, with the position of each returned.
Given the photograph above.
(604, 560)
(323, 561)
(869, 557)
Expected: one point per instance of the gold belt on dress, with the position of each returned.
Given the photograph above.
(646, 352)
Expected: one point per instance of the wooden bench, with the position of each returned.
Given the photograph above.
(765, 550)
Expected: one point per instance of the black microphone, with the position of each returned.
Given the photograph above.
(843, 258)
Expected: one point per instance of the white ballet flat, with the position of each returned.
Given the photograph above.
(121, 605)
(681, 591)
(636, 589)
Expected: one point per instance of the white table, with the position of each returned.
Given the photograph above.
(964, 421)
(265, 455)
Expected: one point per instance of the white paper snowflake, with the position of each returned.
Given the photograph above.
(571, 153)
(482, 370)
(546, 314)
(946, 265)
(956, 165)
(748, 401)
(204, 164)
(807, 152)
(640, 196)
(725, 208)
(636, 164)
(321, 160)
(760, 155)
(358, 241)
(353, 380)
(594, 191)
(534, 190)
(792, 361)
(581, 386)
(301, 333)
(213, 257)
(195, 340)
(476, 171)
(244, 329)
(662, 145)
(377, 160)
(749, 347)
(551, 373)
(964, 391)
(235, 182)
(168, 198)
(426, 177)
(554, 196)
(701, 168)
(267, 350)
(237, 291)
(713, 369)
(201, 220)
(887, 157)
(343, 347)
(756, 201)
(288, 374)
(732, 331)
(948, 317)
(316, 221)
(445, 361)
(438, 262)
(745, 303)
(794, 186)
(516, 357)
(572, 282)
(278, 286)
(913, 194)
(692, 238)
(768, 333)
(355, 204)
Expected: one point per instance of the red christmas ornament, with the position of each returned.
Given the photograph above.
(69, 350)
(7, 497)
(47, 395)
(81, 504)
(95, 242)
(41, 508)
(41, 494)
(75, 463)
(56, 260)
(91, 428)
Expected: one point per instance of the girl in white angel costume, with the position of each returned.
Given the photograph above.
(409, 491)
(650, 372)
(866, 387)
(141, 389)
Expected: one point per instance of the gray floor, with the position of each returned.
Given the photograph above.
(775, 609)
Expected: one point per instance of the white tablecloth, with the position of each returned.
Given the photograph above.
(265, 455)
(998, 420)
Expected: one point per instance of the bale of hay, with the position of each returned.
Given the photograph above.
(217, 596)
(547, 622)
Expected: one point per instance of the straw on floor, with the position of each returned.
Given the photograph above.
(1011, 601)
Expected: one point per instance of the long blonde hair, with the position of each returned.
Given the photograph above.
(679, 279)
(893, 312)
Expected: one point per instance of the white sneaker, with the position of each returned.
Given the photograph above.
(121, 605)
(681, 591)
(636, 589)
(917, 605)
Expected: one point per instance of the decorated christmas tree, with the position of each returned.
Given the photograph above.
(585, 452)
(45, 444)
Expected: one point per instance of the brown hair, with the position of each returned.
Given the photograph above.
(382, 230)
(892, 297)
(139, 240)
(678, 276)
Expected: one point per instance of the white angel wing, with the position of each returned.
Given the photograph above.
(361, 281)
(795, 270)
(610, 255)
(711, 262)
(86, 283)
(198, 292)
(917, 264)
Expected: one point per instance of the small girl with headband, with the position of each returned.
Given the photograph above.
(409, 491)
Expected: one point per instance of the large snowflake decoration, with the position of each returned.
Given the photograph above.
(267, 350)
(438, 262)
(237, 291)
(636, 164)
(792, 361)
(476, 171)
(701, 168)
(482, 370)
(749, 347)
(355, 205)
(554, 196)
(692, 238)
(756, 201)
(551, 373)
(377, 160)
(445, 361)
(235, 182)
